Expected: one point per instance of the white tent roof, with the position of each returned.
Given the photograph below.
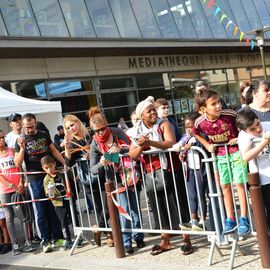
(49, 112)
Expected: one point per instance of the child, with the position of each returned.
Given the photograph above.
(194, 172)
(10, 182)
(57, 182)
(251, 128)
(219, 126)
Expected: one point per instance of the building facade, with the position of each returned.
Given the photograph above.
(114, 53)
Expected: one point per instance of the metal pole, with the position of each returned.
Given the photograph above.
(263, 62)
(114, 218)
(259, 218)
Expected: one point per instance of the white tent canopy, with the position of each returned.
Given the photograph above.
(48, 112)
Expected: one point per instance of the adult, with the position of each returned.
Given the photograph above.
(59, 137)
(162, 107)
(9, 184)
(157, 133)
(244, 98)
(77, 143)
(260, 91)
(15, 122)
(30, 148)
(134, 119)
(113, 141)
(122, 124)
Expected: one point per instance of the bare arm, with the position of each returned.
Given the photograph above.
(252, 152)
(56, 153)
(205, 143)
(19, 156)
(168, 136)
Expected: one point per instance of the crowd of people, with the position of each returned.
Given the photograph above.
(27, 148)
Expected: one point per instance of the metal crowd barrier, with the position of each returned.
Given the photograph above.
(169, 201)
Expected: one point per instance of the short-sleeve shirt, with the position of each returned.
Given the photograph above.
(36, 147)
(261, 163)
(218, 131)
(11, 139)
(7, 167)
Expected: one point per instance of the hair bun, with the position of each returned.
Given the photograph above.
(93, 110)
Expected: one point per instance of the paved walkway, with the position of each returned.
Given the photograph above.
(92, 257)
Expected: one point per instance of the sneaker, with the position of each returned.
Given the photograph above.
(46, 246)
(28, 247)
(230, 226)
(6, 248)
(80, 243)
(129, 250)
(196, 226)
(58, 243)
(140, 244)
(185, 226)
(16, 250)
(67, 245)
(243, 228)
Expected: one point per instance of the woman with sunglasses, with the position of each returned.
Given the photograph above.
(107, 143)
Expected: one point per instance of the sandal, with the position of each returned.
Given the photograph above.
(156, 250)
(186, 248)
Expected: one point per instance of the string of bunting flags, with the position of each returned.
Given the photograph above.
(223, 16)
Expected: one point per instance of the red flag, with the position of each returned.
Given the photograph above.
(211, 3)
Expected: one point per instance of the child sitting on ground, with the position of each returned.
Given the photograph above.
(220, 128)
(54, 186)
(196, 183)
(256, 153)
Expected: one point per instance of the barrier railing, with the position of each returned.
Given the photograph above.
(168, 198)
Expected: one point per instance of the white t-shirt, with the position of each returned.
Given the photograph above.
(193, 157)
(11, 138)
(261, 163)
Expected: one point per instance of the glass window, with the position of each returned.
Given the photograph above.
(198, 19)
(252, 14)
(116, 83)
(164, 19)
(118, 99)
(125, 19)
(3, 31)
(19, 18)
(217, 28)
(102, 18)
(182, 19)
(224, 5)
(145, 18)
(77, 18)
(113, 115)
(263, 13)
(28, 89)
(49, 18)
(240, 15)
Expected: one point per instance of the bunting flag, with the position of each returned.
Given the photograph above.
(211, 3)
(224, 18)
(241, 36)
(217, 11)
(229, 22)
(235, 30)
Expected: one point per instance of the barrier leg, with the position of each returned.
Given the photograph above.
(114, 218)
(212, 249)
(259, 218)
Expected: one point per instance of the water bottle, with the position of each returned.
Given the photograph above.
(51, 193)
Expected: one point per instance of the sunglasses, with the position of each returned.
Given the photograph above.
(2, 137)
(100, 129)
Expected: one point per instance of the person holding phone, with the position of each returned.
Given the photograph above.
(107, 143)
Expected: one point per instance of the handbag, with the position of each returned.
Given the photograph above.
(22, 210)
(154, 180)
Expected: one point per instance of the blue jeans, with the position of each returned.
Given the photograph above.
(133, 211)
(47, 222)
(192, 191)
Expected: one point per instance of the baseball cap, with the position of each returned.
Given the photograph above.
(13, 116)
(59, 128)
